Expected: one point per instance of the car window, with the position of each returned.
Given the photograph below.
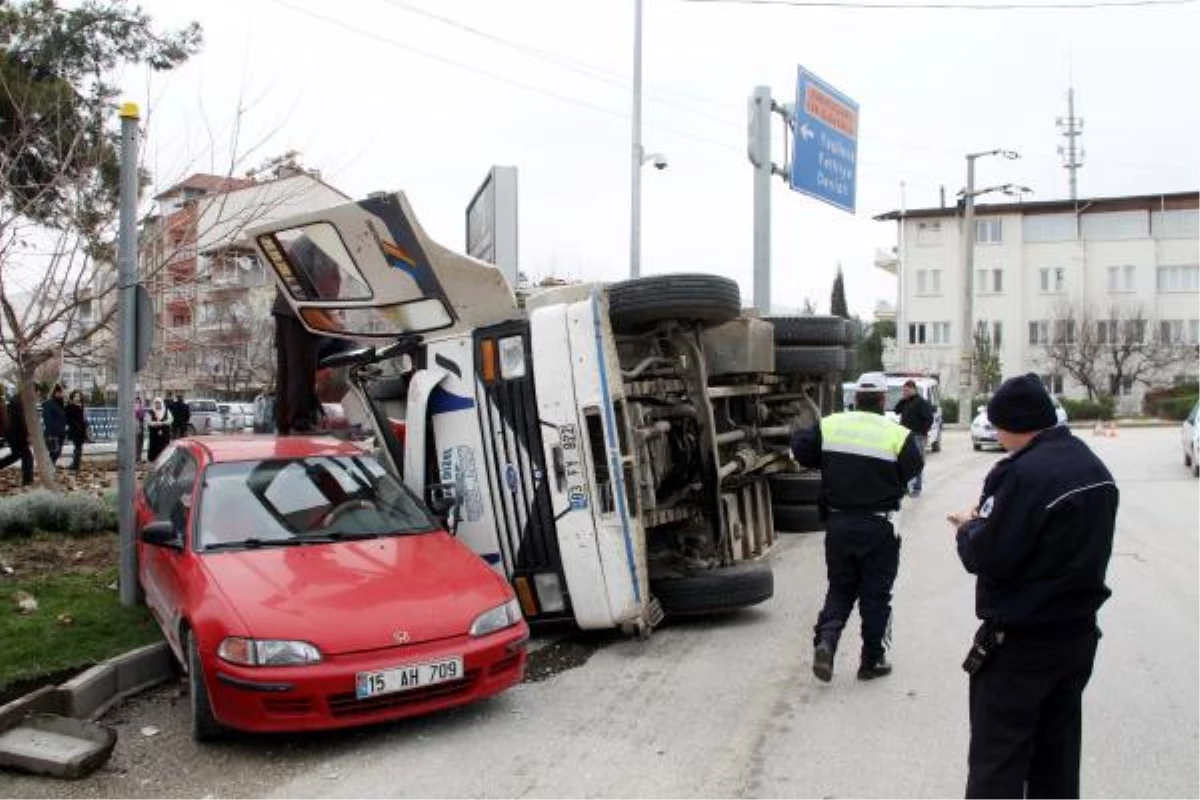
(173, 487)
(288, 500)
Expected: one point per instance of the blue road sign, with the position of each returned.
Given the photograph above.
(824, 142)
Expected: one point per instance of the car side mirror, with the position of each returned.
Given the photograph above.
(162, 533)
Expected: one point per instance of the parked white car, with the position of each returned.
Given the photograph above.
(1191, 441)
(236, 417)
(984, 435)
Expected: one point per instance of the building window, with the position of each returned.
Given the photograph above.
(940, 333)
(990, 331)
(1170, 331)
(1126, 386)
(1106, 331)
(1052, 279)
(1053, 383)
(1110, 225)
(997, 340)
(929, 281)
(1134, 331)
(1183, 223)
(988, 231)
(1194, 331)
(1179, 279)
(929, 233)
(1039, 332)
(989, 281)
(179, 320)
(916, 333)
(1048, 228)
(1064, 331)
(1120, 279)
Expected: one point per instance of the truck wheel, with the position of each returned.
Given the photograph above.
(715, 591)
(809, 360)
(809, 330)
(791, 488)
(851, 365)
(796, 518)
(637, 304)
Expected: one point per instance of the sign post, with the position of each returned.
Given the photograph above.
(824, 143)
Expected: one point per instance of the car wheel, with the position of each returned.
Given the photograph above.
(715, 591)
(1187, 460)
(637, 304)
(789, 488)
(977, 446)
(936, 445)
(812, 330)
(796, 518)
(205, 727)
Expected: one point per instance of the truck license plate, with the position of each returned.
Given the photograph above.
(410, 676)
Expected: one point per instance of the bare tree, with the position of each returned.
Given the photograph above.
(1107, 351)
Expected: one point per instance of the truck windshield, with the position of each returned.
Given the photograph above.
(291, 501)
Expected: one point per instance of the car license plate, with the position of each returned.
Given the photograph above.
(410, 676)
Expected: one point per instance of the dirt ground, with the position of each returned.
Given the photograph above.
(95, 476)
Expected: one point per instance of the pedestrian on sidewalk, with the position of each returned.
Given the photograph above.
(54, 422)
(916, 414)
(17, 435)
(866, 461)
(158, 428)
(1038, 542)
(139, 416)
(78, 430)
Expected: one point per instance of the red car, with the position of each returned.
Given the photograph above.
(302, 586)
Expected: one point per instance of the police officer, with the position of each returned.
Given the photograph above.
(1038, 541)
(866, 462)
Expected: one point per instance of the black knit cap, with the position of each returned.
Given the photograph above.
(1022, 405)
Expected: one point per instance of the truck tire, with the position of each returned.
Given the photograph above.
(850, 368)
(796, 518)
(637, 304)
(715, 591)
(791, 488)
(809, 330)
(809, 360)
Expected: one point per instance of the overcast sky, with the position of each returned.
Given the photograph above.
(379, 94)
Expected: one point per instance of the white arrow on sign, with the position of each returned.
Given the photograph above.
(806, 132)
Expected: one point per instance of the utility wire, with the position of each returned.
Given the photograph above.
(1038, 6)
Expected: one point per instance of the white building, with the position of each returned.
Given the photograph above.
(1032, 261)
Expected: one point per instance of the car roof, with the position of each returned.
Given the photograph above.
(250, 447)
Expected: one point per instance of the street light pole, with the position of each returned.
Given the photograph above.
(636, 156)
(966, 377)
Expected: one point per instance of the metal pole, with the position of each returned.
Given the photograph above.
(635, 175)
(965, 378)
(761, 159)
(127, 279)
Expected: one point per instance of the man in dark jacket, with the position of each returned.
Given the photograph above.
(1039, 542)
(866, 461)
(17, 436)
(917, 415)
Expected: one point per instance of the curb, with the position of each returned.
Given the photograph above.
(91, 693)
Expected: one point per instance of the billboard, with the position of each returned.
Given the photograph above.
(492, 222)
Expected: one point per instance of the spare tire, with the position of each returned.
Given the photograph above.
(637, 304)
(809, 360)
(794, 487)
(809, 330)
(715, 591)
(796, 519)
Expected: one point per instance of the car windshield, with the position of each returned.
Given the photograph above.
(282, 502)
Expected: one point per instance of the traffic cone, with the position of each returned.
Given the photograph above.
(1099, 429)
(1112, 429)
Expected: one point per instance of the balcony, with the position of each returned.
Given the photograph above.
(887, 261)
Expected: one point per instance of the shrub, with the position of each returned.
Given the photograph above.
(1164, 401)
(43, 510)
(1079, 410)
(949, 410)
(1176, 408)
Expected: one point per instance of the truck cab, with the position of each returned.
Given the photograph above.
(605, 447)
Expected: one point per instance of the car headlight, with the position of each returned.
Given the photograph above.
(496, 619)
(267, 652)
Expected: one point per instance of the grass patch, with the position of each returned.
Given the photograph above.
(45, 642)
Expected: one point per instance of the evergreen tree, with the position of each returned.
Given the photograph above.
(837, 300)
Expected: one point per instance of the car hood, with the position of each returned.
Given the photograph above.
(363, 595)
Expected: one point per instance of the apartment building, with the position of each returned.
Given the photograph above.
(212, 297)
(1041, 268)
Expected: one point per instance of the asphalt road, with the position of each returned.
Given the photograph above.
(729, 707)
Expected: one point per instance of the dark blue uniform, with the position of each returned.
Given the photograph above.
(1040, 546)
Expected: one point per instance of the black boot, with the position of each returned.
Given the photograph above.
(869, 670)
(823, 661)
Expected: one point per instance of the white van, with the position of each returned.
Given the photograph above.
(927, 387)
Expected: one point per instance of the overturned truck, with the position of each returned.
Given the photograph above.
(619, 452)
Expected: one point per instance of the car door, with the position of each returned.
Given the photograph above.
(173, 499)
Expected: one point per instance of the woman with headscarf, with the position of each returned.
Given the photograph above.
(158, 428)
